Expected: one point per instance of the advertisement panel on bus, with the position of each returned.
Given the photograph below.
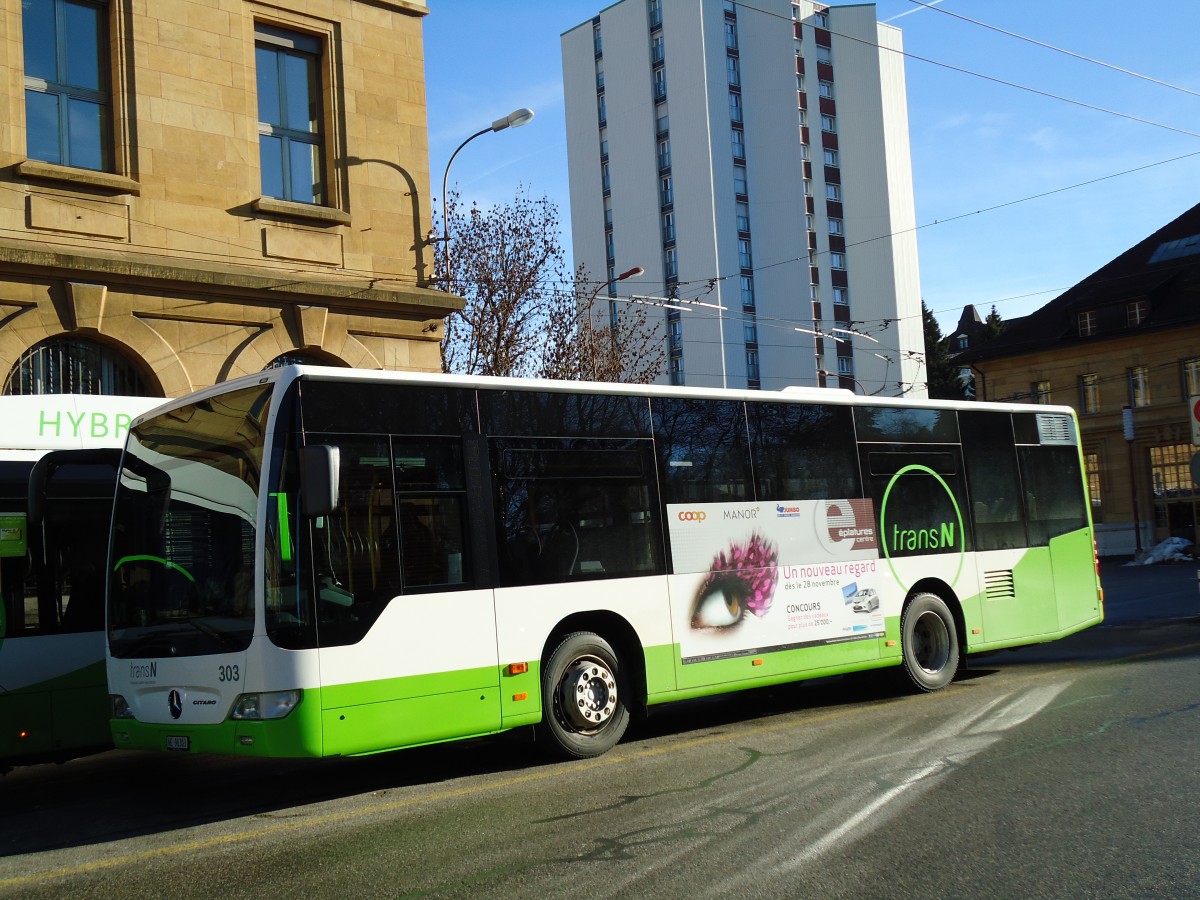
(775, 575)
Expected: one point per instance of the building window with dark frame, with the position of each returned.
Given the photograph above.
(655, 13)
(664, 154)
(1139, 386)
(745, 259)
(743, 216)
(1170, 472)
(668, 227)
(676, 370)
(1136, 312)
(290, 118)
(1091, 467)
(68, 99)
(746, 288)
(1191, 377)
(67, 365)
(670, 263)
(1039, 392)
(1086, 323)
(1089, 393)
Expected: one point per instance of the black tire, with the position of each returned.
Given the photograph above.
(584, 712)
(929, 643)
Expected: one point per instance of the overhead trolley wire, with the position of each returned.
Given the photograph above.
(1071, 53)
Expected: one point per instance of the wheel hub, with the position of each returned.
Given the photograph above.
(931, 643)
(588, 694)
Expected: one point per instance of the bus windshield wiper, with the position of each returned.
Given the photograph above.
(227, 639)
(144, 642)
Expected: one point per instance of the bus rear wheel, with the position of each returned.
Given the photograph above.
(583, 704)
(929, 642)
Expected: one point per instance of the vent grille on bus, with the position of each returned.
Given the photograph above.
(1055, 429)
(999, 585)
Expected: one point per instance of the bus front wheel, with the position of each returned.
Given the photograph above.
(583, 705)
(929, 642)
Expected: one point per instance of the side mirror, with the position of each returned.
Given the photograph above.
(320, 469)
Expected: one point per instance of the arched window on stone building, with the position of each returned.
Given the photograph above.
(303, 358)
(62, 365)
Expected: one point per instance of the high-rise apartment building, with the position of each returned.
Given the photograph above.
(754, 159)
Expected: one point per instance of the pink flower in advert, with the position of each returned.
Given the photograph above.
(741, 578)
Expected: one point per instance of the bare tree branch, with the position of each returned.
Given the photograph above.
(521, 317)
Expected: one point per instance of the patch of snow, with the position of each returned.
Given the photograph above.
(1173, 549)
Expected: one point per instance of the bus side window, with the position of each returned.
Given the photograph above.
(576, 509)
(990, 458)
(1054, 498)
(431, 541)
(356, 561)
(803, 451)
(430, 504)
(703, 452)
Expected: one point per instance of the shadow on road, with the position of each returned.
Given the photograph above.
(119, 795)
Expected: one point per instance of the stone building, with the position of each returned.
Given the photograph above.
(194, 191)
(1122, 347)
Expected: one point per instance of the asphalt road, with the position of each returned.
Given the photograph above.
(1068, 769)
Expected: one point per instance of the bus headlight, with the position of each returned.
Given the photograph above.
(265, 705)
(120, 708)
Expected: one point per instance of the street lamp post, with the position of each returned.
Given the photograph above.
(631, 273)
(514, 119)
(1127, 429)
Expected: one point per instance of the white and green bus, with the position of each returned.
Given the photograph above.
(325, 562)
(58, 466)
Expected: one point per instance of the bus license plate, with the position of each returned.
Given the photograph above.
(178, 742)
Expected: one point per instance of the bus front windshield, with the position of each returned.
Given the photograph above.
(181, 573)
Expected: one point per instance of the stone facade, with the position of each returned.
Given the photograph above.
(172, 255)
(1126, 337)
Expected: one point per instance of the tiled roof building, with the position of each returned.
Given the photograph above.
(1126, 337)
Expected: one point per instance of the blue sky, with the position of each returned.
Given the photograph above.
(976, 144)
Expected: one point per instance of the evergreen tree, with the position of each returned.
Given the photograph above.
(994, 323)
(941, 375)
